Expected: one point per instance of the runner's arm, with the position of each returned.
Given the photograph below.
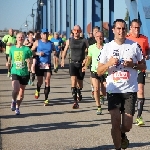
(65, 50)
(35, 45)
(25, 42)
(29, 59)
(88, 61)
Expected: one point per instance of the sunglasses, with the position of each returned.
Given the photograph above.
(76, 30)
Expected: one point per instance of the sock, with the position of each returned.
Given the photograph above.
(99, 106)
(74, 93)
(46, 92)
(33, 77)
(92, 88)
(123, 135)
(38, 88)
(140, 103)
(79, 91)
(13, 100)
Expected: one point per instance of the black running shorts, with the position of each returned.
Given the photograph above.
(22, 79)
(141, 78)
(124, 101)
(75, 69)
(100, 78)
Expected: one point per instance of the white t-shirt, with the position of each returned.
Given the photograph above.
(121, 79)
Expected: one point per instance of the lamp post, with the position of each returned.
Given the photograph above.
(33, 15)
(25, 24)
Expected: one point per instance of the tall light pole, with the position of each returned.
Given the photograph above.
(33, 15)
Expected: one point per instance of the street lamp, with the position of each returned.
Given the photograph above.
(33, 15)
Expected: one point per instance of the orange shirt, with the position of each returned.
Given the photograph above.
(141, 40)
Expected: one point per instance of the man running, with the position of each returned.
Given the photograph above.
(43, 63)
(58, 45)
(143, 42)
(29, 42)
(122, 58)
(9, 41)
(77, 47)
(93, 53)
(19, 57)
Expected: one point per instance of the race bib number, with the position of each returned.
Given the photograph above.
(19, 65)
(44, 66)
(121, 76)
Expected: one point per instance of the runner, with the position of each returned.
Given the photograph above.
(43, 63)
(58, 45)
(29, 43)
(64, 44)
(9, 40)
(37, 37)
(77, 47)
(92, 41)
(18, 60)
(122, 58)
(142, 40)
(97, 81)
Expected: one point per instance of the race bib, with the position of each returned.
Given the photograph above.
(44, 66)
(19, 65)
(120, 76)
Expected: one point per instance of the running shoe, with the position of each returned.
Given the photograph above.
(32, 83)
(139, 121)
(37, 94)
(124, 142)
(99, 111)
(46, 102)
(75, 106)
(13, 105)
(17, 111)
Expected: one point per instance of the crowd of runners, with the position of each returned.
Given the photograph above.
(117, 69)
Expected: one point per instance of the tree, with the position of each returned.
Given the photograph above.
(127, 16)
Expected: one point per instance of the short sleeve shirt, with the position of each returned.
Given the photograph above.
(18, 57)
(121, 79)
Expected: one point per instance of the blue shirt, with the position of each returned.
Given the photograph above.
(57, 42)
(46, 48)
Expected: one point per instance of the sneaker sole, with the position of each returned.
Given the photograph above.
(46, 104)
(139, 124)
(36, 97)
(13, 109)
(98, 113)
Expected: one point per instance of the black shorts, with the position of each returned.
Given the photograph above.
(75, 69)
(22, 79)
(124, 101)
(100, 78)
(40, 72)
(141, 78)
(7, 55)
(57, 54)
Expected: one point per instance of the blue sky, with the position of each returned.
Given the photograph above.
(13, 13)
